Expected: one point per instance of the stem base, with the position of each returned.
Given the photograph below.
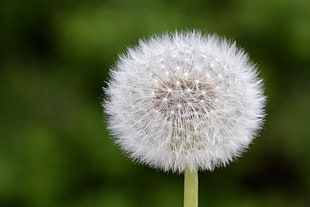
(191, 188)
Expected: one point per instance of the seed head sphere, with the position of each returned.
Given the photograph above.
(184, 101)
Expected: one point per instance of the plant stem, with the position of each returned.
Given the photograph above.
(191, 188)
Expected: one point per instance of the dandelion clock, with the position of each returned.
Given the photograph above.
(184, 102)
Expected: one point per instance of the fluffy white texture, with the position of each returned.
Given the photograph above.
(184, 100)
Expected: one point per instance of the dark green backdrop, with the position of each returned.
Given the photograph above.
(54, 59)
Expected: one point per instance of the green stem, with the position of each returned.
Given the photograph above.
(191, 188)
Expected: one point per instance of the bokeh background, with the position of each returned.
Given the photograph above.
(54, 59)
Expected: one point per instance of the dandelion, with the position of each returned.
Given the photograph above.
(184, 102)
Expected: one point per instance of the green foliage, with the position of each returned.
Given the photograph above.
(54, 146)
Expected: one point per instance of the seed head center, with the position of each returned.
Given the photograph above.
(183, 98)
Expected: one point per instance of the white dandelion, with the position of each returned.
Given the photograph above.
(184, 101)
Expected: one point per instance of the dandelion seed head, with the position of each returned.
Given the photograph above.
(184, 100)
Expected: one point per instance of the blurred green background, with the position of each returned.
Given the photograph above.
(55, 57)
